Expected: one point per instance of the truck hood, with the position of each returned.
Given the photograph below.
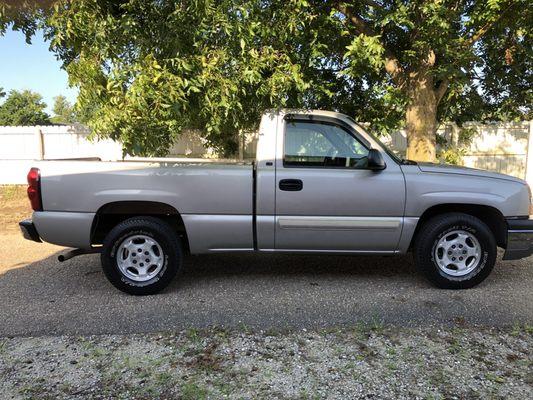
(453, 169)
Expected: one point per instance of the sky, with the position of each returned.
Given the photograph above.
(33, 67)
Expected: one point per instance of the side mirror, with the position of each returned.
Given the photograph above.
(375, 160)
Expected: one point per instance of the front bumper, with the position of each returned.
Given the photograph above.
(519, 239)
(29, 231)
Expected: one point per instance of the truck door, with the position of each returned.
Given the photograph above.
(326, 199)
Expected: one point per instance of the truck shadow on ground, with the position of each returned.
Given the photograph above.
(257, 290)
(85, 273)
(290, 264)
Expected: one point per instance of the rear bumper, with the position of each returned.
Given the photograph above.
(519, 239)
(29, 231)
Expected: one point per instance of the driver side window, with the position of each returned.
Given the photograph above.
(319, 144)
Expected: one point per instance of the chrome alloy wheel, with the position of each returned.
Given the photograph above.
(140, 258)
(458, 253)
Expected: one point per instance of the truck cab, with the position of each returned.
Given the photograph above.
(319, 191)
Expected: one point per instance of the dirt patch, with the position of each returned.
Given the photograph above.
(14, 207)
(15, 251)
(363, 362)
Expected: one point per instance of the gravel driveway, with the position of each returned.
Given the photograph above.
(362, 362)
(258, 326)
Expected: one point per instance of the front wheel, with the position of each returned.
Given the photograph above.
(141, 255)
(455, 251)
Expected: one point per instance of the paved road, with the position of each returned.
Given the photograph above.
(259, 291)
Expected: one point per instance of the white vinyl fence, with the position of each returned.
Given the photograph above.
(500, 147)
(505, 147)
(21, 145)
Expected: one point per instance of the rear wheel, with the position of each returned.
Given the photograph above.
(455, 251)
(141, 255)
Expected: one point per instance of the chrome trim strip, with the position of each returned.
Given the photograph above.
(231, 250)
(313, 251)
(339, 223)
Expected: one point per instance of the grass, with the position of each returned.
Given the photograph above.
(193, 391)
(518, 329)
(206, 359)
(207, 368)
(494, 378)
(12, 193)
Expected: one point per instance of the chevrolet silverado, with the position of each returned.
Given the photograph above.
(320, 184)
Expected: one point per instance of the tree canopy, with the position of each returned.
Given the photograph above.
(147, 69)
(23, 108)
(64, 112)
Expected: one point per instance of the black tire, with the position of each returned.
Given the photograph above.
(426, 244)
(155, 229)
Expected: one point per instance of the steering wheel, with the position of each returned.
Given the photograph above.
(361, 163)
(331, 154)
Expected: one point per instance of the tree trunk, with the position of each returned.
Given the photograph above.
(421, 119)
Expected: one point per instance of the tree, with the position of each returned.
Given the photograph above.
(63, 111)
(23, 108)
(145, 70)
(2, 93)
(445, 59)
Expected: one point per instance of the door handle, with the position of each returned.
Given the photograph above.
(291, 185)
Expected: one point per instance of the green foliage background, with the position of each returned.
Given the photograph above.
(64, 112)
(147, 69)
(23, 108)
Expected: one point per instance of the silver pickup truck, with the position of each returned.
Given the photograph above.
(320, 184)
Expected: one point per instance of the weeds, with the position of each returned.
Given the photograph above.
(522, 329)
(207, 360)
(193, 391)
(193, 335)
(12, 192)
(377, 325)
(219, 365)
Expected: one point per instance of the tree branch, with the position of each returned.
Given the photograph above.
(392, 65)
(372, 3)
(440, 91)
(485, 28)
(359, 23)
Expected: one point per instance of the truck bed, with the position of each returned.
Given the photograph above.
(191, 187)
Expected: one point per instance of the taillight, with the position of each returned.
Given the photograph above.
(34, 189)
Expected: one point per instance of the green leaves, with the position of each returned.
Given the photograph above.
(149, 70)
(365, 51)
(146, 70)
(64, 112)
(23, 108)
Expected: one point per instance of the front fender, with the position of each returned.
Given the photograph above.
(426, 190)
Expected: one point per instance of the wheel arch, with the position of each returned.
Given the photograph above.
(491, 216)
(111, 214)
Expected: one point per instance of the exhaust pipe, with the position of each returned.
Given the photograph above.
(77, 252)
